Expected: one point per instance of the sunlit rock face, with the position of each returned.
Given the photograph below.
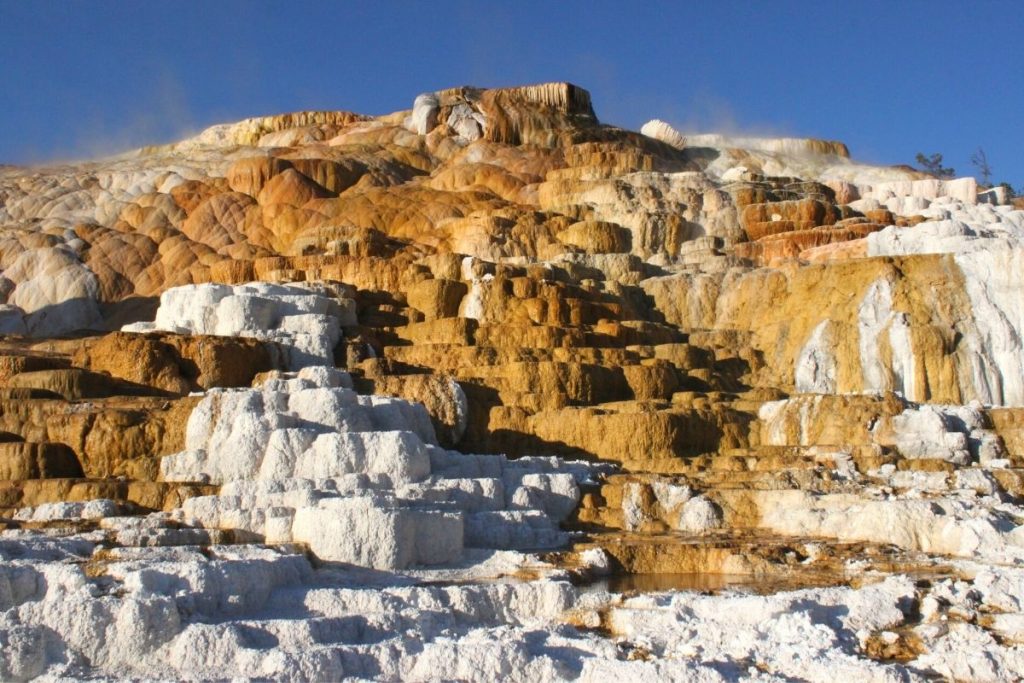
(361, 479)
(488, 389)
(305, 323)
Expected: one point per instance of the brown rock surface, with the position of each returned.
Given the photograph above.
(437, 298)
(112, 437)
(596, 237)
(150, 495)
(758, 219)
(178, 364)
(249, 176)
(21, 460)
(69, 383)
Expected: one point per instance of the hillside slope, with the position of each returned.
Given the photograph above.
(486, 388)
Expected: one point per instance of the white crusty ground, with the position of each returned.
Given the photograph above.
(305, 320)
(361, 479)
(220, 612)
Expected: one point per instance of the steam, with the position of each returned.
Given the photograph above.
(711, 113)
(161, 114)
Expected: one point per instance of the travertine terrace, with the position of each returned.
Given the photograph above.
(486, 389)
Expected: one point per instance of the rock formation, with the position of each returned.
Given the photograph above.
(489, 389)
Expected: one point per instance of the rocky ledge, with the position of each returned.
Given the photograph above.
(488, 389)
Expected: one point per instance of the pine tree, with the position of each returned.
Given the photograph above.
(980, 162)
(933, 164)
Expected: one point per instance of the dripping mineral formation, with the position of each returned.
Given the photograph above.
(488, 390)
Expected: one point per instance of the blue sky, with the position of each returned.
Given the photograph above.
(888, 78)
